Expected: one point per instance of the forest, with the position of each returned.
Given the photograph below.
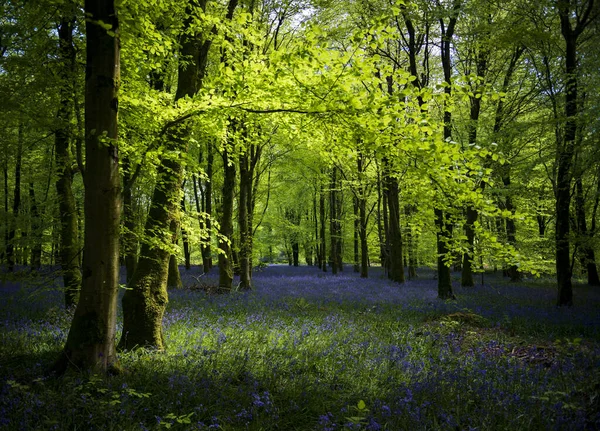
(300, 214)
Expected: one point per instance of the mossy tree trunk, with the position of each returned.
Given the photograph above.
(91, 340)
(145, 302)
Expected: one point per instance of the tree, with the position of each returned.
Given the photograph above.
(582, 13)
(91, 340)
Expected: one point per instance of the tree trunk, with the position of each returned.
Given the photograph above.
(566, 149)
(511, 229)
(207, 254)
(36, 231)
(6, 212)
(472, 213)
(356, 223)
(226, 223)
(444, 227)
(200, 207)
(10, 247)
(396, 266)
(243, 221)
(587, 254)
(323, 248)
(184, 237)
(145, 301)
(91, 340)
(410, 244)
(333, 214)
(129, 238)
(69, 231)
(174, 276)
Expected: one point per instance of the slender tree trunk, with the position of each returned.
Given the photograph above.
(36, 250)
(323, 248)
(6, 212)
(207, 254)
(472, 213)
(10, 247)
(364, 246)
(129, 237)
(444, 228)
(91, 340)
(243, 221)
(185, 239)
(355, 239)
(511, 229)
(410, 244)
(333, 214)
(226, 225)
(200, 208)
(69, 230)
(588, 256)
(386, 219)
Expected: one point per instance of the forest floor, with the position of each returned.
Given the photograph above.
(306, 350)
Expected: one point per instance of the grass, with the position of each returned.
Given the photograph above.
(312, 351)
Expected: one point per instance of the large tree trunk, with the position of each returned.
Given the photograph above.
(145, 301)
(91, 340)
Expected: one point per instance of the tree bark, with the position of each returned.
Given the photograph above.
(184, 238)
(91, 340)
(36, 231)
(226, 223)
(145, 301)
(69, 231)
(323, 241)
(444, 228)
(129, 238)
(361, 219)
(587, 254)
(245, 228)
(396, 265)
(10, 247)
(333, 215)
(566, 148)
